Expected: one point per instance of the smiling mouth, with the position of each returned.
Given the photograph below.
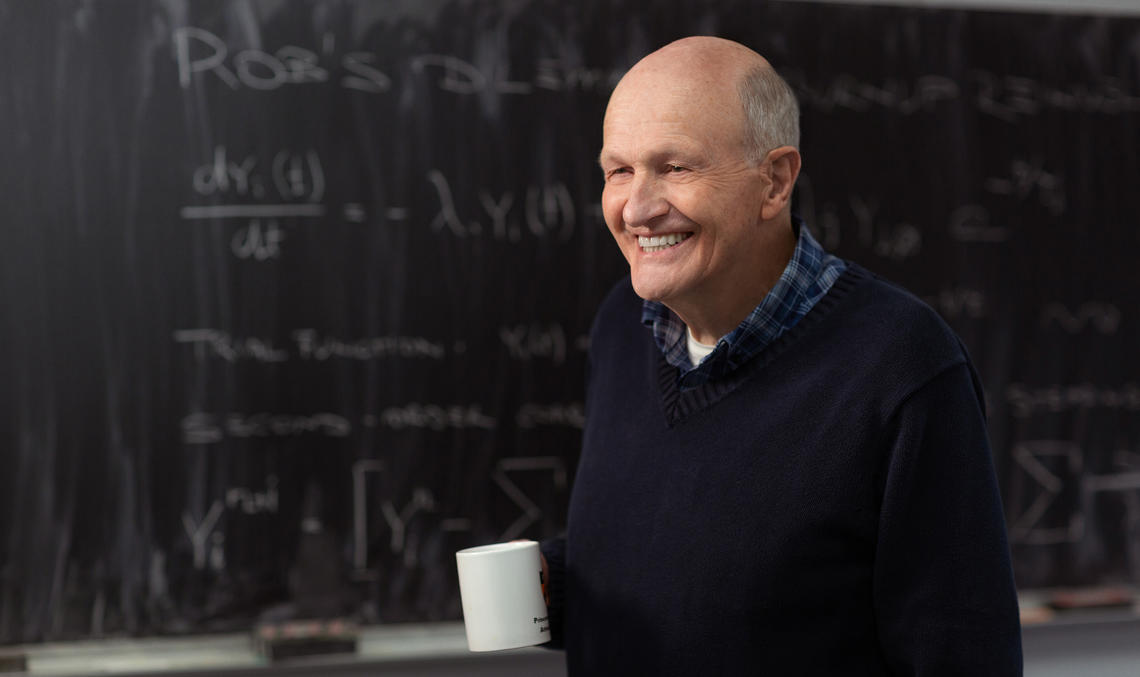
(661, 242)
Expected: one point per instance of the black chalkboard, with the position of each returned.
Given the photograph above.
(295, 294)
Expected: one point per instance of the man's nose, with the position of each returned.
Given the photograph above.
(646, 201)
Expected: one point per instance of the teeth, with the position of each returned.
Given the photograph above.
(659, 242)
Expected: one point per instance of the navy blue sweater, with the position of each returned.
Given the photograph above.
(829, 509)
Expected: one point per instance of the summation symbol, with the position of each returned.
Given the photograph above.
(422, 501)
(1032, 457)
(531, 513)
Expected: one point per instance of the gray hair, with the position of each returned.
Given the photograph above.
(773, 116)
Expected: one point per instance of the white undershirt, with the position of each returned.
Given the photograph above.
(697, 350)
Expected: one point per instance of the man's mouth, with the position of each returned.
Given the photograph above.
(657, 243)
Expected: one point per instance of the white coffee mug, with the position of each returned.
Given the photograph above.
(501, 589)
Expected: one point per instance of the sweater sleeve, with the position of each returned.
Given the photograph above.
(554, 550)
(945, 600)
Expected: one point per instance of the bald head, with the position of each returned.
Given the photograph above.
(730, 80)
(696, 195)
(701, 59)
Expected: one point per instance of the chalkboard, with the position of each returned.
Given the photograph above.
(296, 294)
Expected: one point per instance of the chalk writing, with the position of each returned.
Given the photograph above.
(823, 221)
(312, 346)
(850, 93)
(199, 532)
(432, 417)
(270, 211)
(258, 241)
(363, 76)
(1011, 97)
(421, 501)
(1029, 178)
(200, 53)
(531, 513)
(397, 519)
(895, 241)
(307, 344)
(253, 502)
(220, 344)
(971, 223)
(1035, 457)
(1124, 487)
(531, 341)
(547, 212)
(1026, 401)
(462, 77)
(1091, 315)
(1129, 481)
(205, 428)
(532, 415)
(555, 74)
(956, 302)
(360, 471)
(223, 175)
(295, 175)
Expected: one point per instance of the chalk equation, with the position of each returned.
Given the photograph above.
(1007, 97)
(545, 211)
(1099, 317)
(1049, 466)
(1026, 401)
(204, 428)
(308, 344)
(201, 54)
(858, 219)
(290, 187)
(1029, 180)
(523, 342)
(1061, 491)
(535, 341)
(958, 302)
(421, 507)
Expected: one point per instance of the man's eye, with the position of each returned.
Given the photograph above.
(676, 168)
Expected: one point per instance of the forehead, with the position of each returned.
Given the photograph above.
(655, 108)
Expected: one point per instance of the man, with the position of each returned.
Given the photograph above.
(785, 467)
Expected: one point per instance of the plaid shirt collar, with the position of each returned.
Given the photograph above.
(807, 277)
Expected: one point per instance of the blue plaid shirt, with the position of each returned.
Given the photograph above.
(807, 277)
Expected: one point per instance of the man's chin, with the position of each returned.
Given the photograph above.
(651, 290)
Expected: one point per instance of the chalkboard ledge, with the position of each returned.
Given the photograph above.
(404, 649)
(236, 654)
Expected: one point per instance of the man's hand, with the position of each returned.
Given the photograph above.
(544, 578)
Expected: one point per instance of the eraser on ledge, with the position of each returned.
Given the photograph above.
(305, 638)
(13, 662)
(1091, 598)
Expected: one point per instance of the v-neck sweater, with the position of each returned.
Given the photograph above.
(829, 508)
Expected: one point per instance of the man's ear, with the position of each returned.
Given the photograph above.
(783, 168)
